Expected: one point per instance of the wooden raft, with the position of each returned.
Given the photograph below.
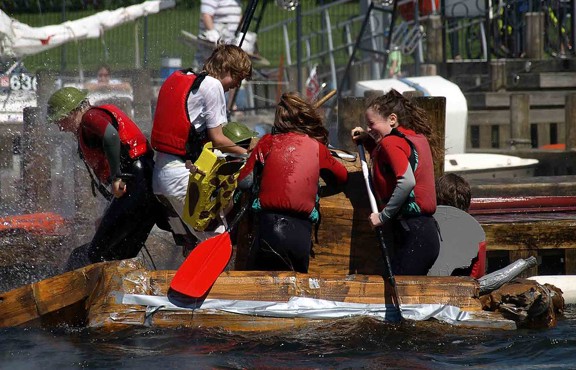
(89, 297)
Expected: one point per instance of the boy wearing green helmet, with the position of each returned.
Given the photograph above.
(117, 155)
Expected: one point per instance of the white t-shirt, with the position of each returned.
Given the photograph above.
(227, 15)
(206, 109)
(207, 106)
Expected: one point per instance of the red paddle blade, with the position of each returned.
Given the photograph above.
(203, 266)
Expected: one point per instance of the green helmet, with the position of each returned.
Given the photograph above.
(64, 101)
(238, 132)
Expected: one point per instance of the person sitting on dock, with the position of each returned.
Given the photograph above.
(402, 146)
(453, 190)
(285, 168)
(116, 154)
(191, 111)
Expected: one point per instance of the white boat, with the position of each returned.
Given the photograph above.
(489, 166)
(566, 283)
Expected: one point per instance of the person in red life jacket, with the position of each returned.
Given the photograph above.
(283, 171)
(403, 147)
(191, 111)
(453, 190)
(117, 155)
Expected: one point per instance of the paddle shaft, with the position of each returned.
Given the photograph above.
(379, 231)
(324, 99)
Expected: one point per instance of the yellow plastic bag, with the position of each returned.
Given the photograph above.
(210, 189)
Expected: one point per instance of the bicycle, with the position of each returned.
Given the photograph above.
(557, 27)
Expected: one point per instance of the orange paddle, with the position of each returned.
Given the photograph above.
(206, 262)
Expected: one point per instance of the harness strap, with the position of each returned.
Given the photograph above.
(95, 184)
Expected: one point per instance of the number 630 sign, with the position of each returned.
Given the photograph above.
(21, 81)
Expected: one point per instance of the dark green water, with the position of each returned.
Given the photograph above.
(344, 344)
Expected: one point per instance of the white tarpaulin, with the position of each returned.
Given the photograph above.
(305, 308)
(18, 39)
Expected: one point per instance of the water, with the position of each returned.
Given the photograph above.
(344, 344)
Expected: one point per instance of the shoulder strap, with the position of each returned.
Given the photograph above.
(95, 184)
(413, 159)
(410, 206)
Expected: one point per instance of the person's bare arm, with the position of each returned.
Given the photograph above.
(222, 142)
(208, 21)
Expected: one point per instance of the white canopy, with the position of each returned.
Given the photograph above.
(18, 39)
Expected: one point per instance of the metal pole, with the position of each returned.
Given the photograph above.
(63, 47)
(299, 45)
(145, 46)
(356, 46)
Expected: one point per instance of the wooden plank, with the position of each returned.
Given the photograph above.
(570, 261)
(280, 286)
(502, 117)
(532, 236)
(27, 304)
(557, 79)
(501, 99)
(18, 307)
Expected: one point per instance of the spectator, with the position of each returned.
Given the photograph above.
(104, 82)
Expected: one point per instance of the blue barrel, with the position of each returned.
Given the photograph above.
(169, 66)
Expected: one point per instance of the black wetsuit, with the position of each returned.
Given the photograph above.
(127, 220)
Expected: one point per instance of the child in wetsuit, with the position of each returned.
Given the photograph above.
(403, 147)
(286, 167)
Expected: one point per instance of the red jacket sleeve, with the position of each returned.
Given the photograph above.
(329, 163)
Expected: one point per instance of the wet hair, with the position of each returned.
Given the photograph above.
(410, 116)
(294, 114)
(453, 190)
(229, 59)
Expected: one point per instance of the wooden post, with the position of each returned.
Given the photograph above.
(570, 121)
(533, 39)
(373, 93)
(498, 75)
(142, 87)
(428, 70)
(46, 86)
(520, 121)
(434, 39)
(435, 107)
(6, 148)
(36, 176)
(350, 114)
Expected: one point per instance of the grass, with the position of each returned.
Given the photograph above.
(161, 32)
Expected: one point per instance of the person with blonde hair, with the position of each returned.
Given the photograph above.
(190, 112)
(284, 168)
(403, 147)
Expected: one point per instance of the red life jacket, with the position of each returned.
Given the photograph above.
(130, 137)
(172, 131)
(422, 199)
